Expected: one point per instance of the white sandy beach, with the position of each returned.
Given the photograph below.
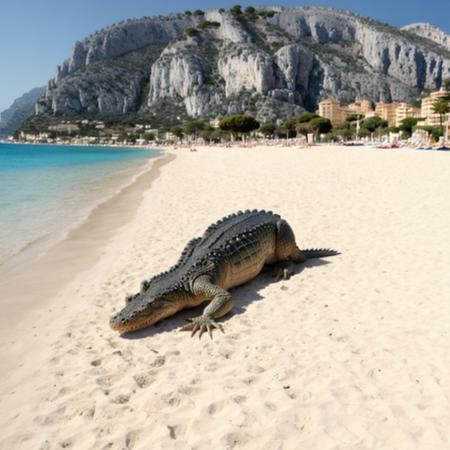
(351, 353)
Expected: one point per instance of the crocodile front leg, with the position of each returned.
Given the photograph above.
(221, 303)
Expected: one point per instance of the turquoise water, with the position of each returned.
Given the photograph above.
(44, 189)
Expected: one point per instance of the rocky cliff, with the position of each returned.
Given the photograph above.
(23, 107)
(273, 63)
(430, 32)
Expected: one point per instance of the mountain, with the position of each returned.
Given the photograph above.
(430, 32)
(271, 62)
(23, 107)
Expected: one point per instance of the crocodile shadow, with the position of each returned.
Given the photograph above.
(243, 295)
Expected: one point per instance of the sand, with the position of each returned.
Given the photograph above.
(350, 353)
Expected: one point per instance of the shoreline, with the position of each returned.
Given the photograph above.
(122, 179)
(69, 144)
(76, 247)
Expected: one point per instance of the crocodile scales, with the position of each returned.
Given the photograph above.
(231, 252)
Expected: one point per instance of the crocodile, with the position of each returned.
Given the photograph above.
(231, 252)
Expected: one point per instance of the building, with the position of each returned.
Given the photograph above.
(427, 113)
(403, 111)
(395, 112)
(387, 111)
(362, 107)
(65, 128)
(331, 109)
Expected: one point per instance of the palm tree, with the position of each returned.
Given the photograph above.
(441, 107)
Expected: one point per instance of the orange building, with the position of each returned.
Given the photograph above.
(362, 107)
(331, 109)
(387, 111)
(427, 113)
(403, 111)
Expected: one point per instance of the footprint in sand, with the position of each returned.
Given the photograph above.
(143, 380)
(176, 431)
(121, 399)
(106, 380)
(235, 440)
(240, 399)
(88, 412)
(159, 361)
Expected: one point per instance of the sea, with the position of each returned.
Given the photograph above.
(46, 189)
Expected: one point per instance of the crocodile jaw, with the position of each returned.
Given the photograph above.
(142, 321)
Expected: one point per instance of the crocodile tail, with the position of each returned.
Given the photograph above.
(319, 253)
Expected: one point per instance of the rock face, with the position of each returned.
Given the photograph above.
(430, 32)
(273, 64)
(23, 107)
(106, 74)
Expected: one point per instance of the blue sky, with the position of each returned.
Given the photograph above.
(36, 35)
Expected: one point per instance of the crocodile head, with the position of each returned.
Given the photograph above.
(143, 310)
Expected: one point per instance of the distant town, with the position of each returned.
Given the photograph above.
(332, 122)
(394, 113)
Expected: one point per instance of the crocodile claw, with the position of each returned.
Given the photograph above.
(202, 324)
(283, 270)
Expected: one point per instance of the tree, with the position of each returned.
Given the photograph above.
(177, 131)
(363, 133)
(291, 128)
(441, 107)
(193, 127)
(205, 24)
(192, 32)
(236, 10)
(321, 125)
(238, 123)
(206, 133)
(250, 10)
(267, 129)
(407, 125)
(343, 133)
(199, 12)
(127, 137)
(306, 117)
(435, 132)
(149, 136)
(446, 84)
(218, 135)
(354, 117)
(281, 132)
(373, 123)
(305, 128)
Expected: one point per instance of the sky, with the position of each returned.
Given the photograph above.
(37, 35)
